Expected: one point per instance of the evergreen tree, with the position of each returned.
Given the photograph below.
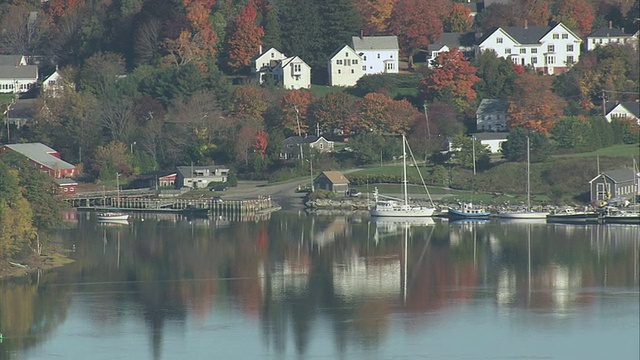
(496, 76)
(272, 33)
(340, 21)
(300, 23)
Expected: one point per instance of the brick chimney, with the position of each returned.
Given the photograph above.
(526, 24)
(361, 33)
(610, 24)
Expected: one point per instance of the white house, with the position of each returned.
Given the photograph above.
(53, 84)
(198, 177)
(448, 41)
(345, 67)
(492, 140)
(17, 79)
(625, 109)
(261, 66)
(552, 49)
(292, 73)
(15, 60)
(609, 35)
(379, 53)
(492, 115)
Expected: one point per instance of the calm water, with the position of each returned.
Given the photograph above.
(295, 286)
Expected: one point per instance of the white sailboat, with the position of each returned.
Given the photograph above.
(526, 213)
(386, 206)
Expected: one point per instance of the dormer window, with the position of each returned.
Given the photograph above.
(499, 40)
(273, 55)
(346, 54)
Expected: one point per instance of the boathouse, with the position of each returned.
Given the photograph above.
(333, 181)
(613, 184)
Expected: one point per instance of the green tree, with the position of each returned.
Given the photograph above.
(340, 21)
(496, 76)
(571, 133)
(466, 149)
(300, 22)
(371, 148)
(601, 132)
(515, 148)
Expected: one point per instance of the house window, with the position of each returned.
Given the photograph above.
(364, 58)
(389, 66)
(499, 40)
(569, 48)
(523, 51)
(339, 62)
(354, 61)
(551, 48)
(534, 60)
(556, 36)
(347, 62)
(273, 55)
(339, 71)
(507, 51)
(565, 36)
(364, 68)
(534, 51)
(551, 59)
(297, 67)
(569, 60)
(391, 56)
(378, 56)
(346, 54)
(352, 71)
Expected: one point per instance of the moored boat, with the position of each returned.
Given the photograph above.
(112, 215)
(468, 211)
(613, 215)
(571, 216)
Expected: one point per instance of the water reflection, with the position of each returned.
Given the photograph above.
(299, 280)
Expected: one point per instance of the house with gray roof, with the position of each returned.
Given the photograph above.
(448, 41)
(13, 60)
(17, 78)
(551, 49)
(199, 177)
(293, 144)
(614, 184)
(491, 115)
(379, 53)
(609, 35)
(21, 111)
(292, 73)
(492, 140)
(44, 158)
(622, 110)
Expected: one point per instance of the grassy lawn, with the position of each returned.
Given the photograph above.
(625, 150)
(321, 90)
(405, 92)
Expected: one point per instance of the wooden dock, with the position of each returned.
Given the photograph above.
(208, 206)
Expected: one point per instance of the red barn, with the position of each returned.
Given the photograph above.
(44, 158)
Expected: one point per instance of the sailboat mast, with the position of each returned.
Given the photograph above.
(528, 176)
(404, 169)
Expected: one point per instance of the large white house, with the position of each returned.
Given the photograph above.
(379, 53)
(552, 49)
(449, 41)
(622, 110)
(17, 79)
(609, 35)
(261, 66)
(345, 67)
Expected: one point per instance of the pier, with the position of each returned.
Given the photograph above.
(196, 207)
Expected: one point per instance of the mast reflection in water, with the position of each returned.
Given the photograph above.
(298, 286)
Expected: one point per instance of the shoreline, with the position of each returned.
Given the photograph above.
(52, 259)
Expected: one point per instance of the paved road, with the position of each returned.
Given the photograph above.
(284, 195)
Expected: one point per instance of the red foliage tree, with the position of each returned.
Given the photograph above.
(333, 111)
(60, 8)
(375, 14)
(261, 143)
(578, 15)
(380, 113)
(248, 103)
(417, 24)
(245, 37)
(452, 78)
(533, 105)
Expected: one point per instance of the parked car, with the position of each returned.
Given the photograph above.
(219, 188)
(354, 192)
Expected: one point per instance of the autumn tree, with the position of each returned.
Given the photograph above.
(16, 215)
(497, 15)
(417, 24)
(333, 112)
(261, 143)
(195, 43)
(112, 159)
(452, 78)
(248, 102)
(458, 20)
(294, 106)
(245, 38)
(578, 15)
(375, 14)
(380, 113)
(533, 105)
(23, 33)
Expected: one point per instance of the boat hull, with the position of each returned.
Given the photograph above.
(523, 215)
(112, 216)
(403, 213)
(573, 218)
(622, 219)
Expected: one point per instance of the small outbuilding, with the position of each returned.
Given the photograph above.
(333, 181)
(65, 187)
(618, 184)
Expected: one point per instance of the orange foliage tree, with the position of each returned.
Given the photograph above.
(60, 8)
(261, 143)
(380, 113)
(533, 105)
(245, 38)
(417, 24)
(197, 43)
(452, 78)
(294, 106)
(375, 14)
(459, 19)
(333, 111)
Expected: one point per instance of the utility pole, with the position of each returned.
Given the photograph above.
(299, 132)
(427, 120)
(473, 152)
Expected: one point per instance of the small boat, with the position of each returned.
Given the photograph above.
(569, 215)
(392, 207)
(112, 215)
(469, 211)
(614, 215)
